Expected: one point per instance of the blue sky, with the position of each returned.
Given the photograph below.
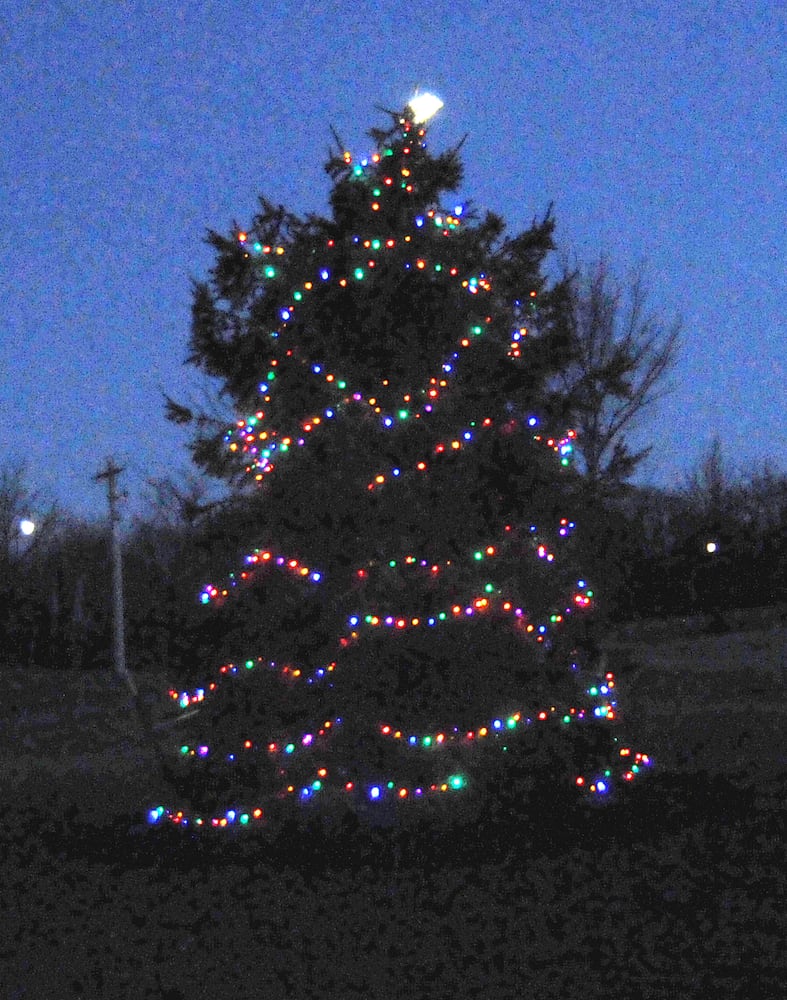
(656, 129)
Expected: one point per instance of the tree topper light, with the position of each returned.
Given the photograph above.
(423, 107)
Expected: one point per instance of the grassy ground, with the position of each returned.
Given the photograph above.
(677, 890)
(706, 702)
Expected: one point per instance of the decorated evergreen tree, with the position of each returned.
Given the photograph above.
(411, 611)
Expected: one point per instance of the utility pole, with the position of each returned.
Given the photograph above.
(110, 472)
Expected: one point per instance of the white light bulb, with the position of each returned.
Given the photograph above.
(423, 107)
(26, 526)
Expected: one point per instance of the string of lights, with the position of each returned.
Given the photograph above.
(265, 558)
(258, 440)
(260, 444)
(482, 604)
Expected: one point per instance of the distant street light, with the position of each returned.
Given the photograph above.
(20, 541)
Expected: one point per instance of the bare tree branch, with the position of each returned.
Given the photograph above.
(623, 355)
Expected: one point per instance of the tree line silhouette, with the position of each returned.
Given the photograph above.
(715, 546)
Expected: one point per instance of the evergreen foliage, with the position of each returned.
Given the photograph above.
(395, 362)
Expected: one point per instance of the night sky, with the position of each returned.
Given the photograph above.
(656, 128)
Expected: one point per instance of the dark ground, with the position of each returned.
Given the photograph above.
(679, 892)
(675, 891)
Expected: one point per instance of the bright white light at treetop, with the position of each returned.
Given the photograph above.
(424, 106)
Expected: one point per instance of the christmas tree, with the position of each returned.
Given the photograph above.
(411, 611)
